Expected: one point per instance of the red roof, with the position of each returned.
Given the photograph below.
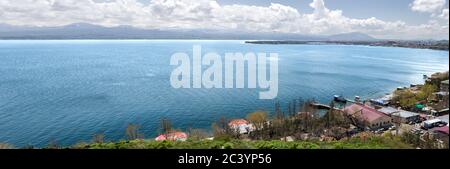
(369, 114)
(174, 136)
(161, 137)
(238, 122)
(442, 129)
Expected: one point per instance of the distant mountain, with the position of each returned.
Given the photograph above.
(89, 31)
(354, 36)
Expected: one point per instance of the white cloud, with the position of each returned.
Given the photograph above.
(444, 14)
(430, 6)
(208, 14)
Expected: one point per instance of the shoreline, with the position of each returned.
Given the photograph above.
(441, 47)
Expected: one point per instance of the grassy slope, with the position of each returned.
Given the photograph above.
(375, 142)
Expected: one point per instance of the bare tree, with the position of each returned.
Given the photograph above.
(166, 126)
(197, 134)
(98, 138)
(133, 133)
(6, 146)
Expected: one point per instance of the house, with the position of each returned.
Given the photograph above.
(443, 118)
(388, 110)
(441, 134)
(431, 123)
(444, 86)
(381, 101)
(367, 117)
(241, 126)
(442, 112)
(403, 116)
(443, 130)
(173, 136)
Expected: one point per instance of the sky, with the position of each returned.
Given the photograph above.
(387, 19)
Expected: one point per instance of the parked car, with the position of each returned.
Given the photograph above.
(392, 128)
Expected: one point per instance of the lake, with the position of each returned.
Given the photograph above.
(66, 91)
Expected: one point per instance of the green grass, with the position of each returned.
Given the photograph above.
(374, 142)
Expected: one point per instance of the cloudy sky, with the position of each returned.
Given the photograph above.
(393, 19)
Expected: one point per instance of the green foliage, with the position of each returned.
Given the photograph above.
(426, 92)
(257, 118)
(373, 142)
(406, 98)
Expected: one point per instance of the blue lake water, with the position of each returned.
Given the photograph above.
(66, 91)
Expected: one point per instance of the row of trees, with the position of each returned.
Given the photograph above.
(407, 99)
(133, 131)
(301, 118)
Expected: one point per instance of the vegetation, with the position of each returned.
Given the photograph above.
(407, 99)
(98, 138)
(6, 146)
(435, 45)
(133, 132)
(425, 142)
(368, 142)
(437, 78)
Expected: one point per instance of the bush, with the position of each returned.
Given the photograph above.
(6, 146)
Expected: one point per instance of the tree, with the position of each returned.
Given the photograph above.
(197, 134)
(222, 131)
(6, 146)
(53, 144)
(166, 126)
(133, 133)
(98, 138)
(426, 92)
(407, 99)
(278, 113)
(257, 119)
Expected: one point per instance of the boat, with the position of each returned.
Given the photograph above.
(339, 98)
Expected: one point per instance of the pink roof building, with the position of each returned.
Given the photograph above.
(240, 125)
(173, 136)
(442, 130)
(371, 117)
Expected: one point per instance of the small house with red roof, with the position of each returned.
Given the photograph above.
(173, 136)
(368, 117)
(241, 126)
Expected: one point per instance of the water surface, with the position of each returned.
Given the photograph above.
(66, 91)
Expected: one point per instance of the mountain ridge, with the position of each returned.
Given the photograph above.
(91, 31)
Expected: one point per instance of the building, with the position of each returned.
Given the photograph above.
(388, 110)
(384, 101)
(241, 126)
(367, 117)
(173, 136)
(442, 112)
(443, 118)
(403, 116)
(444, 86)
(444, 130)
(431, 123)
(441, 134)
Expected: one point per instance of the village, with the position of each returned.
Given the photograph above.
(419, 112)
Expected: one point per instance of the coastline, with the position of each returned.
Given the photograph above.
(440, 47)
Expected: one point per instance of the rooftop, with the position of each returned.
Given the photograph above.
(174, 136)
(367, 113)
(432, 121)
(405, 114)
(238, 122)
(442, 129)
(388, 110)
(444, 118)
